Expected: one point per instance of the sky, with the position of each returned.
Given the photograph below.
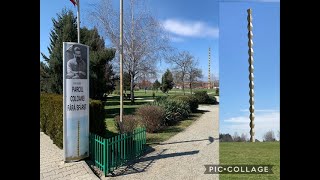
(192, 26)
(234, 73)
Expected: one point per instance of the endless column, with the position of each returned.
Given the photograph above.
(251, 77)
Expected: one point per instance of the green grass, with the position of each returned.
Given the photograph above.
(148, 93)
(258, 153)
(162, 135)
(169, 131)
(112, 109)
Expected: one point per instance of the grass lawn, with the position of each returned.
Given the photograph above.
(112, 108)
(148, 93)
(164, 134)
(258, 153)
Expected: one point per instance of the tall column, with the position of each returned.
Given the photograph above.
(209, 81)
(251, 77)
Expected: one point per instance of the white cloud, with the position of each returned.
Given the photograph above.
(176, 39)
(264, 121)
(190, 28)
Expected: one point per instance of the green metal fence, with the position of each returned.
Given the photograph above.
(109, 154)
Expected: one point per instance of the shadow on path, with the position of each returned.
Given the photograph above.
(210, 139)
(142, 164)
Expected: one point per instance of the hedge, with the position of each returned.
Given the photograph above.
(51, 117)
(204, 98)
(190, 99)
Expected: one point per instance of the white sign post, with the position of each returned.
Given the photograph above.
(75, 101)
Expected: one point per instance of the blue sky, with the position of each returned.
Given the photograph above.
(193, 26)
(234, 81)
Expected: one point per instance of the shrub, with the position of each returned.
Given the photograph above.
(97, 118)
(175, 110)
(152, 117)
(217, 91)
(212, 100)
(161, 98)
(129, 123)
(191, 100)
(117, 92)
(204, 98)
(51, 117)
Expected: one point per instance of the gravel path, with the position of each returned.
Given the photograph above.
(52, 165)
(182, 156)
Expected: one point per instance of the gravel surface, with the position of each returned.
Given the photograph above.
(184, 155)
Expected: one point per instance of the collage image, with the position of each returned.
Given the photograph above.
(150, 89)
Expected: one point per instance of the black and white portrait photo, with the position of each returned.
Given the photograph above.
(76, 62)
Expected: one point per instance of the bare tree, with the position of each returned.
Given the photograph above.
(269, 136)
(236, 137)
(176, 78)
(215, 80)
(144, 40)
(279, 135)
(243, 137)
(193, 73)
(181, 61)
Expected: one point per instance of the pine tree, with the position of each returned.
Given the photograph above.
(167, 81)
(64, 30)
(156, 85)
(102, 78)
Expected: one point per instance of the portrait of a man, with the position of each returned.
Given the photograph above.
(76, 67)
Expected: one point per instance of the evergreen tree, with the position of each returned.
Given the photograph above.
(64, 30)
(167, 82)
(102, 78)
(156, 85)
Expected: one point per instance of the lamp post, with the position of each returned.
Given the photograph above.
(121, 61)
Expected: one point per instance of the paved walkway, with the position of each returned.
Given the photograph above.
(53, 167)
(182, 156)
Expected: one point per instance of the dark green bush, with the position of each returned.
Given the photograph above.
(190, 99)
(161, 98)
(175, 110)
(117, 92)
(212, 100)
(97, 118)
(217, 91)
(204, 98)
(51, 117)
(129, 123)
(152, 117)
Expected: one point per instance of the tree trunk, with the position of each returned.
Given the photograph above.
(183, 88)
(190, 87)
(132, 89)
(183, 85)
